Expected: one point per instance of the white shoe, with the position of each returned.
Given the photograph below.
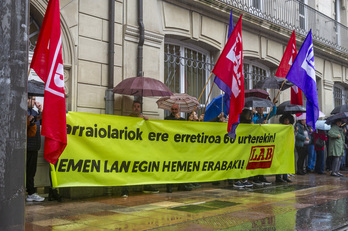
(35, 197)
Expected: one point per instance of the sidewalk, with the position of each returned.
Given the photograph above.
(311, 202)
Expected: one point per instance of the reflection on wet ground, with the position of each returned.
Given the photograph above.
(311, 202)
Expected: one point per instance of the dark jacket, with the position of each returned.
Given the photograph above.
(300, 136)
(34, 143)
(171, 117)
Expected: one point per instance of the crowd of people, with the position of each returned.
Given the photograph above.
(310, 147)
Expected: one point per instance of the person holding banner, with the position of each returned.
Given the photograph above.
(285, 119)
(136, 112)
(175, 115)
(245, 117)
(261, 118)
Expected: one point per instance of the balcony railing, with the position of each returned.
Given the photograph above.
(294, 15)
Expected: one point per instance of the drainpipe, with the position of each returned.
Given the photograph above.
(140, 71)
(109, 95)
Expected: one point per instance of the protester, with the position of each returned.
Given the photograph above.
(245, 117)
(261, 118)
(319, 137)
(336, 146)
(286, 119)
(175, 115)
(311, 151)
(33, 147)
(136, 112)
(193, 117)
(301, 141)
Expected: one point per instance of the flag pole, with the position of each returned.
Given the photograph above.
(222, 102)
(206, 102)
(202, 92)
(275, 98)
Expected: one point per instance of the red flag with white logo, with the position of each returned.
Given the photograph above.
(229, 69)
(47, 62)
(284, 67)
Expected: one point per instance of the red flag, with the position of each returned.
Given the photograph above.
(47, 62)
(284, 67)
(229, 69)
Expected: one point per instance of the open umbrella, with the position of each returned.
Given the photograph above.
(341, 108)
(273, 83)
(213, 109)
(36, 88)
(257, 102)
(342, 116)
(186, 102)
(256, 93)
(321, 125)
(142, 86)
(287, 107)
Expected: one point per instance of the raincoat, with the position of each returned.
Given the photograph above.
(336, 145)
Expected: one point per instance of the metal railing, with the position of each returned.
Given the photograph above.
(295, 15)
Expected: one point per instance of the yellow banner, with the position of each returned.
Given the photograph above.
(107, 150)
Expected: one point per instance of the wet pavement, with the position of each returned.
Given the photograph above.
(311, 202)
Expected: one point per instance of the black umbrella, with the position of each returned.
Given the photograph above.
(273, 83)
(257, 102)
(36, 88)
(338, 109)
(287, 107)
(339, 116)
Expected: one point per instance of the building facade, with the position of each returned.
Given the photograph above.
(181, 40)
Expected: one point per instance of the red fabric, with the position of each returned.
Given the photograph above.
(284, 67)
(229, 68)
(47, 62)
(319, 134)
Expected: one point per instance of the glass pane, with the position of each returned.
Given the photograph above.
(195, 73)
(172, 67)
(257, 75)
(338, 96)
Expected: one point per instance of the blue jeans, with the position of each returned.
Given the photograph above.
(311, 156)
(320, 164)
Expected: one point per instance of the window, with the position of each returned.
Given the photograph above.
(186, 69)
(338, 96)
(302, 14)
(253, 73)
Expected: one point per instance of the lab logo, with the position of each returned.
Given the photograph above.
(55, 80)
(260, 157)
